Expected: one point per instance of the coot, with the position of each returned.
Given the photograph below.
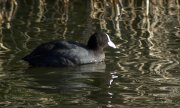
(66, 53)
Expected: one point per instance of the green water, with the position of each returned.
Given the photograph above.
(144, 70)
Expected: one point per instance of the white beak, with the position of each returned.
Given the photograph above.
(110, 43)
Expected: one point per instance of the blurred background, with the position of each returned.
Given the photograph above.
(143, 71)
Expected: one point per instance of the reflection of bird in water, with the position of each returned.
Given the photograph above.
(66, 79)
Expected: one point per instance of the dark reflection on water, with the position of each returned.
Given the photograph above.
(67, 78)
(72, 84)
(144, 70)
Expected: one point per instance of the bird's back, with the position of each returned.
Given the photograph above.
(61, 53)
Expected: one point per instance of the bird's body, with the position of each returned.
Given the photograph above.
(66, 53)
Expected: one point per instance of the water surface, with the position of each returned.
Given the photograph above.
(144, 70)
